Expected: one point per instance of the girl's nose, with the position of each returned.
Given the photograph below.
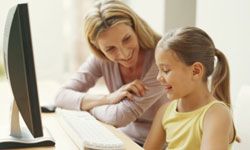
(160, 78)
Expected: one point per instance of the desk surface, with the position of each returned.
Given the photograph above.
(50, 121)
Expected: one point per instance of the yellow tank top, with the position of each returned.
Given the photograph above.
(184, 129)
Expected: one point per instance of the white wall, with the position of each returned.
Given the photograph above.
(164, 15)
(179, 13)
(46, 29)
(151, 11)
(4, 7)
(228, 23)
(48, 41)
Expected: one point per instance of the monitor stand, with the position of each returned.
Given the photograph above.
(21, 137)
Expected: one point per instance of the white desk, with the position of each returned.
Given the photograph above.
(63, 142)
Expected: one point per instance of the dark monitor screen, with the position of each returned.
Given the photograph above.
(20, 70)
(19, 65)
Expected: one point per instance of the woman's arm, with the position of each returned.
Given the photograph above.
(74, 91)
(117, 114)
(73, 95)
(218, 129)
(126, 91)
(157, 135)
(90, 101)
(127, 111)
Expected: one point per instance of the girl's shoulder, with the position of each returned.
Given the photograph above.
(218, 113)
(218, 107)
(218, 120)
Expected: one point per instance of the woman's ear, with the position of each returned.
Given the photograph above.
(198, 70)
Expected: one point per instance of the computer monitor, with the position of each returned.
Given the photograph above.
(20, 70)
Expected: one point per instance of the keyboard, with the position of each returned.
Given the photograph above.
(86, 132)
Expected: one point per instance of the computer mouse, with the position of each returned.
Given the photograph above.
(48, 108)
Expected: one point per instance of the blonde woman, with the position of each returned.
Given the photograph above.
(123, 46)
(197, 118)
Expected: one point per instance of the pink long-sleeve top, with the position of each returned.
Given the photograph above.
(134, 117)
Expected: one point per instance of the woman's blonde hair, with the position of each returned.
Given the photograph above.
(191, 45)
(108, 13)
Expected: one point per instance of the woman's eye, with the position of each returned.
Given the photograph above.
(126, 38)
(110, 49)
(166, 71)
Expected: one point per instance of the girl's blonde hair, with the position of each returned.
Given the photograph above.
(108, 13)
(191, 45)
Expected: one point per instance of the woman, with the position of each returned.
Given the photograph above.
(123, 45)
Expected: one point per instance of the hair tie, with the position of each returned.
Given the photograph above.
(216, 52)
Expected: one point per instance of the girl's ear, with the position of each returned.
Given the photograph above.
(198, 70)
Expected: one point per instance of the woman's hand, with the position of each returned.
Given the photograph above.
(137, 87)
(126, 91)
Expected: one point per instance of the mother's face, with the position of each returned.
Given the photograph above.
(120, 44)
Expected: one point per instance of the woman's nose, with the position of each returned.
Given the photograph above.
(123, 53)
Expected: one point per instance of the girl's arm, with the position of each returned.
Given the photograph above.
(218, 129)
(157, 135)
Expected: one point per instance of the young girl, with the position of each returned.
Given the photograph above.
(198, 117)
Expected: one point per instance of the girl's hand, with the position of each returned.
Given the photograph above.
(127, 91)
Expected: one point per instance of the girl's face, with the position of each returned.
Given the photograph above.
(176, 76)
(120, 44)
